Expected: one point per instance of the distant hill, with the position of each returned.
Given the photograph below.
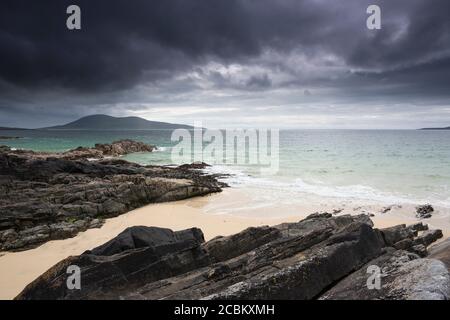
(7, 128)
(445, 128)
(104, 122)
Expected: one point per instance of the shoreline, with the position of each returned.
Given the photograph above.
(17, 269)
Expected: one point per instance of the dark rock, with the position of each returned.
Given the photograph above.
(418, 227)
(403, 244)
(104, 277)
(403, 277)
(123, 147)
(419, 249)
(386, 209)
(139, 237)
(428, 237)
(316, 215)
(115, 149)
(224, 248)
(441, 251)
(194, 165)
(424, 211)
(307, 268)
(28, 237)
(389, 208)
(395, 234)
(320, 256)
(99, 151)
(407, 237)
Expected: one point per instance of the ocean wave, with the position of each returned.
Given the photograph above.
(282, 191)
(360, 192)
(160, 149)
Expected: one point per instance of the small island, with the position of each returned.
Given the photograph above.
(444, 128)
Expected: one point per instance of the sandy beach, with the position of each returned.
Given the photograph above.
(217, 214)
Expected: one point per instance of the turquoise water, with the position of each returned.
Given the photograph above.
(391, 165)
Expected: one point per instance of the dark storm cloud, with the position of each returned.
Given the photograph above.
(122, 42)
(286, 44)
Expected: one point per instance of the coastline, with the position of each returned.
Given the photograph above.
(17, 269)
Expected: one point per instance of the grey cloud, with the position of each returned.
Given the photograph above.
(259, 82)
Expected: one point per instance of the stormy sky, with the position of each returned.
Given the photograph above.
(228, 63)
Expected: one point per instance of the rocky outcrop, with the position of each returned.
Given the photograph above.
(115, 149)
(322, 256)
(194, 165)
(99, 151)
(441, 251)
(402, 276)
(424, 211)
(167, 254)
(165, 240)
(55, 197)
(403, 237)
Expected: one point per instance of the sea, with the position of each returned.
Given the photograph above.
(385, 166)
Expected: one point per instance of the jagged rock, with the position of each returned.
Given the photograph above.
(290, 261)
(167, 254)
(5, 149)
(224, 248)
(303, 268)
(123, 147)
(428, 237)
(403, 244)
(11, 239)
(419, 226)
(390, 207)
(441, 251)
(52, 197)
(406, 237)
(115, 149)
(419, 249)
(140, 237)
(319, 215)
(99, 151)
(386, 209)
(194, 165)
(395, 234)
(424, 211)
(403, 276)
